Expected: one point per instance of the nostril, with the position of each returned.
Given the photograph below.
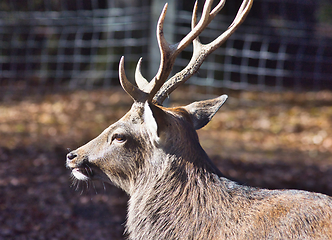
(71, 156)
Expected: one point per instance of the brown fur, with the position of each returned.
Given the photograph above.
(177, 193)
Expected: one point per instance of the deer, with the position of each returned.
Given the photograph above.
(175, 191)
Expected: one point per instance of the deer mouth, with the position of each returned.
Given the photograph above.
(84, 172)
(80, 174)
(87, 172)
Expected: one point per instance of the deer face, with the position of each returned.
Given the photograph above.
(140, 141)
(117, 153)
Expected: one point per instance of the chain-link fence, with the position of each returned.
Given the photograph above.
(77, 44)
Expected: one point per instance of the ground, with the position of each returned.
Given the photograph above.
(271, 140)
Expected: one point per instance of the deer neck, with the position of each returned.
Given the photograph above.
(184, 186)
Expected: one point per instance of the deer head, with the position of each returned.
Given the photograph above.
(150, 139)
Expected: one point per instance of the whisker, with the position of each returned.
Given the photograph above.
(75, 182)
(82, 189)
(77, 185)
(94, 187)
(90, 172)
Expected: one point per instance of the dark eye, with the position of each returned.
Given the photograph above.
(119, 138)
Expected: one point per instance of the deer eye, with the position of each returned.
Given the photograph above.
(120, 138)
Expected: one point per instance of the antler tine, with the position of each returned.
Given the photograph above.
(169, 52)
(196, 41)
(141, 82)
(194, 15)
(166, 53)
(135, 93)
(201, 51)
(217, 8)
(205, 19)
(244, 8)
(144, 87)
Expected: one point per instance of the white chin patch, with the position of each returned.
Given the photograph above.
(80, 176)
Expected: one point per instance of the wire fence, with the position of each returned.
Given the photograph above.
(69, 46)
(49, 45)
(281, 45)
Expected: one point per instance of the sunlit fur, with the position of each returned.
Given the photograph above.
(177, 193)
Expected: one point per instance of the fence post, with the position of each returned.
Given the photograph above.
(169, 29)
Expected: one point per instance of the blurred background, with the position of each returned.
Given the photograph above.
(59, 88)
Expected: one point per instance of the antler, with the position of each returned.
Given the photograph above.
(157, 90)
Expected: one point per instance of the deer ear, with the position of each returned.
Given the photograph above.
(202, 112)
(154, 120)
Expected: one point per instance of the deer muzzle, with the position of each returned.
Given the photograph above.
(80, 169)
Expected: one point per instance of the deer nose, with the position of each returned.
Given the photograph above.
(71, 156)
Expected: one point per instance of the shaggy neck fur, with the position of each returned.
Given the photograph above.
(185, 198)
(183, 203)
(189, 199)
(187, 202)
